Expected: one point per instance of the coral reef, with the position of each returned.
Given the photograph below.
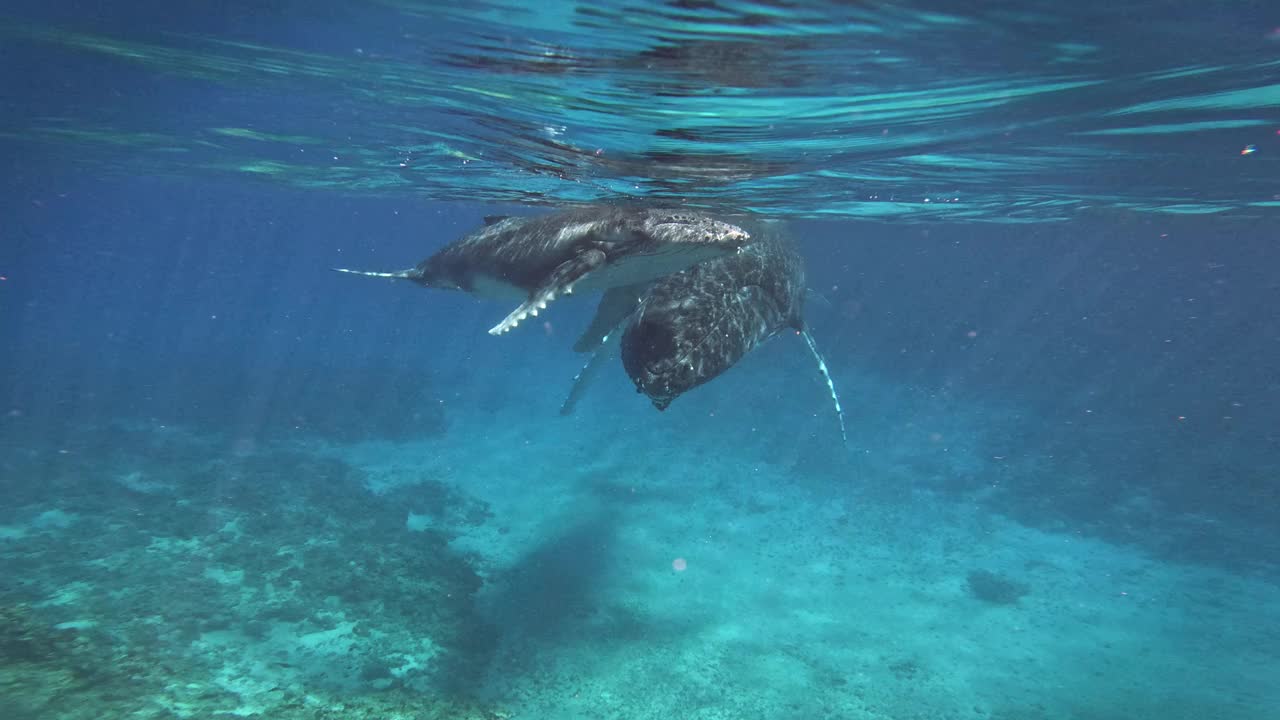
(81, 674)
(77, 672)
(270, 583)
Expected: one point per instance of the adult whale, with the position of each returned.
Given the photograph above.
(537, 259)
(688, 328)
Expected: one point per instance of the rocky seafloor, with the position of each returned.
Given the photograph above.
(157, 574)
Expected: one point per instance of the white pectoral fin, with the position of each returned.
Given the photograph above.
(409, 274)
(541, 298)
(826, 374)
(588, 373)
(615, 306)
(560, 282)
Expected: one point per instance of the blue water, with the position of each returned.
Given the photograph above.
(1040, 244)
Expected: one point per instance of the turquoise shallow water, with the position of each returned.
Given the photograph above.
(508, 566)
(1041, 264)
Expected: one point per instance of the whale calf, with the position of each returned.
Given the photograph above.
(537, 259)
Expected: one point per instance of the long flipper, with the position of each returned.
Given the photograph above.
(615, 305)
(559, 283)
(822, 368)
(588, 372)
(409, 274)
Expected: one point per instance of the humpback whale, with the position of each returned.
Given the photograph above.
(537, 259)
(688, 328)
